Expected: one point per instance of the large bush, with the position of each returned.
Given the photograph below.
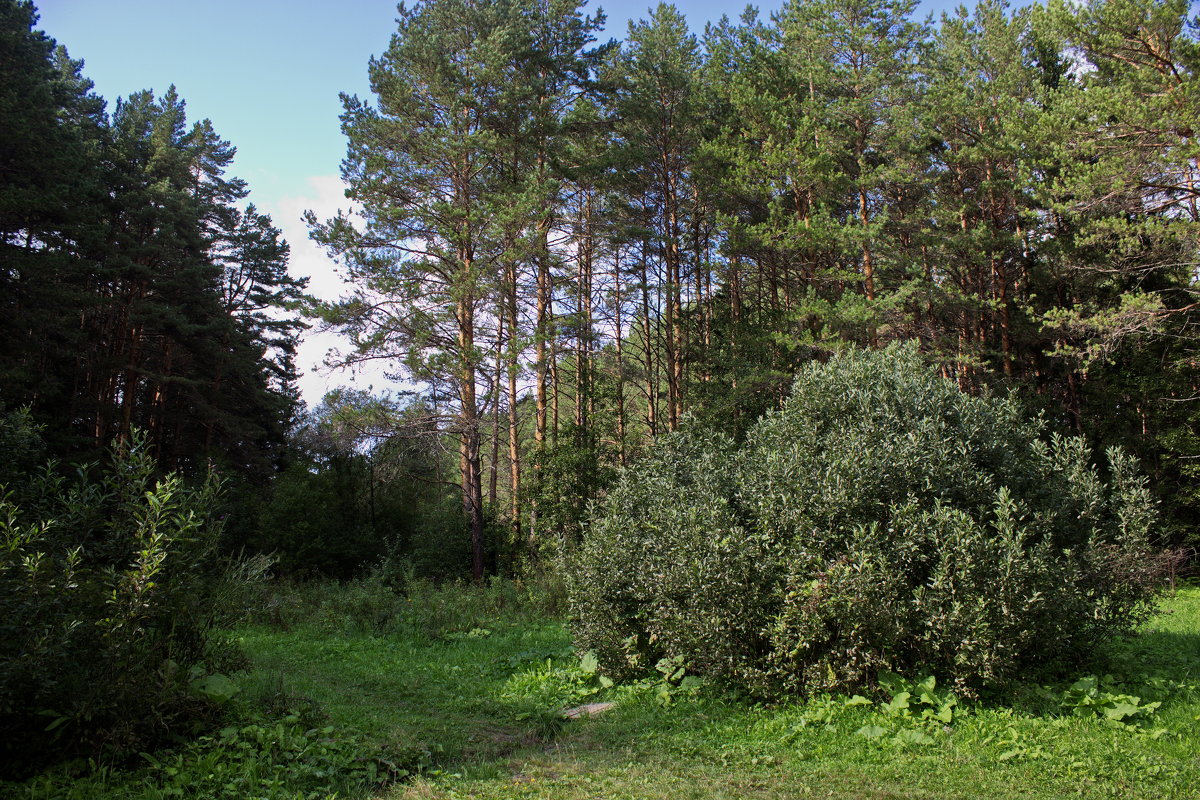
(109, 588)
(881, 520)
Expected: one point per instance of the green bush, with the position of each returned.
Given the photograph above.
(108, 593)
(335, 519)
(21, 443)
(882, 520)
(266, 760)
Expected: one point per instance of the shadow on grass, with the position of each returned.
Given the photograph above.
(1164, 654)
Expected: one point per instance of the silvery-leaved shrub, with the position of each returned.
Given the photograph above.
(881, 520)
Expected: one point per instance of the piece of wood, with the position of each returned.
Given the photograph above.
(589, 710)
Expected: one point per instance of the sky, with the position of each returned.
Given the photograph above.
(268, 74)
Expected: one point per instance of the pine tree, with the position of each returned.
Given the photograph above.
(114, 236)
(983, 115)
(51, 128)
(657, 128)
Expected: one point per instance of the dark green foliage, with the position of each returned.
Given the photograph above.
(338, 518)
(746, 367)
(316, 522)
(570, 474)
(134, 291)
(365, 485)
(295, 756)
(186, 346)
(284, 759)
(882, 520)
(373, 605)
(50, 207)
(109, 589)
(22, 445)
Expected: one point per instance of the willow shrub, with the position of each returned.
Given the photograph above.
(882, 520)
(109, 590)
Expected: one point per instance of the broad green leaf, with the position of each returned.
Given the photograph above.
(897, 705)
(913, 736)
(871, 731)
(1120, 711)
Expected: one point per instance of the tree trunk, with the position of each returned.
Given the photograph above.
(469, 457)
(513, 369)
(620, 338)
(494, 465)
(648, 348)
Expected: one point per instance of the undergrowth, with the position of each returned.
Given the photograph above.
(365, 692)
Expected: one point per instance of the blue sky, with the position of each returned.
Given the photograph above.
(268, 73)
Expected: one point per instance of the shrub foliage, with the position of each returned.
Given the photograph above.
(109, 588)
(881, 520)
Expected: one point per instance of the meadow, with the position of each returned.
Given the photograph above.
(357, 691)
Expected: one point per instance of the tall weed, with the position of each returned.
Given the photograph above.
(378, 604)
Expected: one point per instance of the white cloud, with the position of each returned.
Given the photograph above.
(325, 196)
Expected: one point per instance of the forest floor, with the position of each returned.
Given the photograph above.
(461, 696)
(483, 705)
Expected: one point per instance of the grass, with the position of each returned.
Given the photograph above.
(444, 696)
(463, 689)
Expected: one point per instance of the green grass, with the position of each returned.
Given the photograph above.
(443, 695)
(465, 692)
(456, 696)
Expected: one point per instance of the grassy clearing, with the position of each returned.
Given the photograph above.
(463, 691)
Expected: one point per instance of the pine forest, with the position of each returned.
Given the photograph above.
(775, 371)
